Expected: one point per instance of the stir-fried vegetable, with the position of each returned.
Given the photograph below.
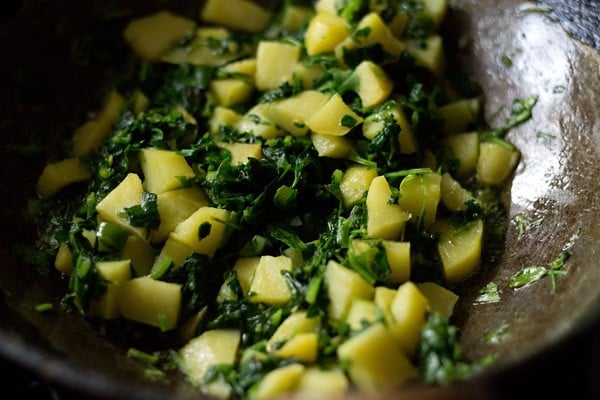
(285, 199)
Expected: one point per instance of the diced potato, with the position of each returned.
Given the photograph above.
(465, 147)
(150, 36)
(453, 195)
(420, 196)
(64, 260)
(89, 136)
(362, 312)
(295, 17)
(398, 256)
(229, 92)
(201, 51)
(383, 298)
(308, 74)
(174, 251)
(377, 34)
(268, 283)
(277, 382)
(174, 207)
(428, 53)
(58, 175)
(116, 273)
(384, 220)
(296, 323)
(256, 123)
(496, 162)
(375, 122)
(326, 6)
(436, 10)
(163, 170)
(275, 63)
(377, 364)
(242, 152)
(322, 383)
(127, 194)
(291, 113)
(343, 285)
(409, 312)
(244, 268)
(459, 249)
(141, 102)
(334, 118)
(211, 348)
(303, 346)
(331, 146)
(355, 183)
(439, 299)
(325, 31)
(150, 302)
(141, 254)
(246, 67)
(398, 24)
(222, 116)
(459, 115)
(374, 86)
(204, 230)
(240, 15)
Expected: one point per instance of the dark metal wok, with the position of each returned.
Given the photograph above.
(50, 80)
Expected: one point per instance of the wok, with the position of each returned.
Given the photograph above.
(511, 49)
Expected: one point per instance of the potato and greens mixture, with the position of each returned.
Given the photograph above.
(283, 199)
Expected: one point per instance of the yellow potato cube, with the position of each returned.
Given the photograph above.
(398, 256)
(377, 364)
(374, 86)
(374, 123)
(304, 346)
(384, 220)
(459, 249)
(453, 195)
(64, 260)
(439, 299)
(269, 284)
(308, 74)
(150, 36)
(428, 53)
(334, 118)
(275, 63)
(343, 285)
(174, 207)
(141, 254)
(277, 382)
(459, 115)
(173, 251)
(222, 116)
(163, 169)
(127, 194)
(246, 67)
(377, 33)
(204, 230)
(362, 312)
(295, 17)
(291, 113)
(496, 162)
(116, 273)
(325, 31)
(465, 147)
(241, 15)
(258, 124)
(296, 323)
(420, 196)
(436, 10)
(242, 152)
(331, 146)
(211, 348)
(150, 302)
(58, 175)
(355, 183)
(326, 6)
(317, 382)
(244, 268)
(229, 92)
(409, 312)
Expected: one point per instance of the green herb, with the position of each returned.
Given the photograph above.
(521, 111)
(524, 225)
(43, 307)
(532, 274)
(498, 335)
(488, 294)
(348, 121)
(111, 236)
(506, 61)
(142, 356)
(204, 230)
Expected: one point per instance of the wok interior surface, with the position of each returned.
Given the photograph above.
(54, 83)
